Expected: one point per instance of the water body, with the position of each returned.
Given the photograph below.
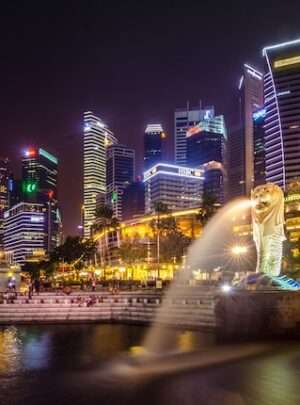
(72, 364)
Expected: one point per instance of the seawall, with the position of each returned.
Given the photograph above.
(258, 314)
(234, 315)
(196, 310)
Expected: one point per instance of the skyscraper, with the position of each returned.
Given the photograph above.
(4, 193)
(184, 120)
(206, 146)
(153, 137)
(241, 165)
(282, 104)
(119, 174)
(259, 147)
(177, 187)
(39, 185)
(25, 231)
(133, 200)
(39, 175)
(96, 138)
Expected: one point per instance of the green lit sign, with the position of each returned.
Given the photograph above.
(114, 196)
(29, 187)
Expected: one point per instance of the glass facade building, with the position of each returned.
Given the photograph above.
(120, 164)
(25, 231)
(206, 147)
(259, 147)
(153, 138)
(4, 194)
(177, 187)
(185, 119)
(282, 120)
(133, 201)
(240, 142)
(39, 185)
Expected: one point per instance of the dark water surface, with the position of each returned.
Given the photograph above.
(76, 364)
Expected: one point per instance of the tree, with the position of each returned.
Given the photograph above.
(74, 251)
(132, 252)
(209, 208)
(33, 269)
(104, 219)
(173, 246)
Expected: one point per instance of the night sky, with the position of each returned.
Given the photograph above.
(129, 62)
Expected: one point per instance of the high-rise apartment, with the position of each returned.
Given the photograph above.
(153, 138)
(282, 105)
(184, 120)
(120, 164)
(241, 152)
(177, 187)
(96, 138)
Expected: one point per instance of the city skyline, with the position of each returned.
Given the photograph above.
(50, 114)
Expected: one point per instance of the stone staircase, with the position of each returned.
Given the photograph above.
(194, 311)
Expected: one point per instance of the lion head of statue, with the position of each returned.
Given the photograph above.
(268, 202)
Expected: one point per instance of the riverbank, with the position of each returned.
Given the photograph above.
(233, 315)
(138, 307)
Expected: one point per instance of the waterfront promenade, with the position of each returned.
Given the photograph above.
(137, 307)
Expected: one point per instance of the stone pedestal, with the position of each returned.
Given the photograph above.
(9, 274)
(258, 314)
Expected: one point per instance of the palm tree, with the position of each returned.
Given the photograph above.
(132, 253)
(104, 223)
(159, 209)
(209, 208)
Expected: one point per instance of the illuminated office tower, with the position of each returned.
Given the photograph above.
(120, 163)
(25, 231)
(240, 142)
(184, 120)
(4, 193)
(96, 138)
(206, 147)
(282, 120)
(177, 187)
(39, 185)
(153, 138)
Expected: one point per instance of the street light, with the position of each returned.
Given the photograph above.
(238, 250)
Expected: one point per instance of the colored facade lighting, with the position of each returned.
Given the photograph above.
(29, 187)
(295, 60)
(30, 153)
(282, 45)
(48, 156)
(153, 128)
(259, 114)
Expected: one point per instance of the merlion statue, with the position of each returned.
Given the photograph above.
(268, 230)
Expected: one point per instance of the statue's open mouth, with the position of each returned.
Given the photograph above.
(261, 205)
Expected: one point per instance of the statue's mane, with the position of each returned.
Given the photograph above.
(272, 217)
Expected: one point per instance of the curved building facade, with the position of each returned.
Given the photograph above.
(282, 107)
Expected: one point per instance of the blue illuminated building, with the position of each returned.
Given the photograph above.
(282, 120)
(259, 147)
(153, 144)
(25, 231)
(206, 147)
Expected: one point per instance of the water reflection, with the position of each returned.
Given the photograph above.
(70, 365)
